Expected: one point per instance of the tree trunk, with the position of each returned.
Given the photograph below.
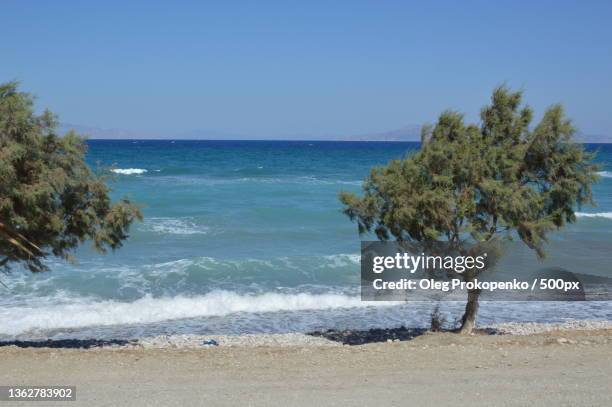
(468, 322)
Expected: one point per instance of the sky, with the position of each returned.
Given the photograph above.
(294, 69)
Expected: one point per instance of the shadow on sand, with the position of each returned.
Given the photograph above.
(68, 343)
(352, 337)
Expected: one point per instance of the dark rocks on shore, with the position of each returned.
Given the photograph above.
(69, 343)
(352, 337)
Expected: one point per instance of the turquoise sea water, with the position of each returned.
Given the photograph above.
(247, 236)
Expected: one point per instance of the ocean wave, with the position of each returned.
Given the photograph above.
(187, 276)
(85, 313)
(173, 226)
(214, 181)
(319, 181)
(343, 260)
(129, 171)
(278, 264)
(607, 215)
(605, 174)
(306, 180)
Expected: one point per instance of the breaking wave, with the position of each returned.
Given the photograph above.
(173, 226)
(86, 312)
(129, 171)
(607, 215)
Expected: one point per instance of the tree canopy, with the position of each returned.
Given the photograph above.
(50, 200)
(471, 183)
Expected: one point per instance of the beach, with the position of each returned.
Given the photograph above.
(561, 367)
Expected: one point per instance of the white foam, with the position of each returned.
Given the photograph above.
(83, 313)
(607, 215)
(359, 183)
(279, 263)
(173, 226)
(129, 171)
(343, 260)
(605, 174)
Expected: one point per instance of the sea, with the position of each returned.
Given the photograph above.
(249, 237)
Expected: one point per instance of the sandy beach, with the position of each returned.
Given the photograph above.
(560, 368)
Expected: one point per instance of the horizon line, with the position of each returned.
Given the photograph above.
(296, 140)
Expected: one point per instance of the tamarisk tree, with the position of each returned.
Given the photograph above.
(472, 184)
(50, 200)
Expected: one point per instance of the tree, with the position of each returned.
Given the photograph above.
(50, 200)
(470, 184)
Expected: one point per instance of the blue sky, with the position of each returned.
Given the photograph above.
(304, 68)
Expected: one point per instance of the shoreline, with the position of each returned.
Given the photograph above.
(325, 338)
(552, 367)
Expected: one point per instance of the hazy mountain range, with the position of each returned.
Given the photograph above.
(410, 132)
(406, 133)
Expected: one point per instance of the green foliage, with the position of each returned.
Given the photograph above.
(50, 201)
(469, 184)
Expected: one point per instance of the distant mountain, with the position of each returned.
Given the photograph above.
(102, 133)
(593, 138)
(411, 132)
(208, 134)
